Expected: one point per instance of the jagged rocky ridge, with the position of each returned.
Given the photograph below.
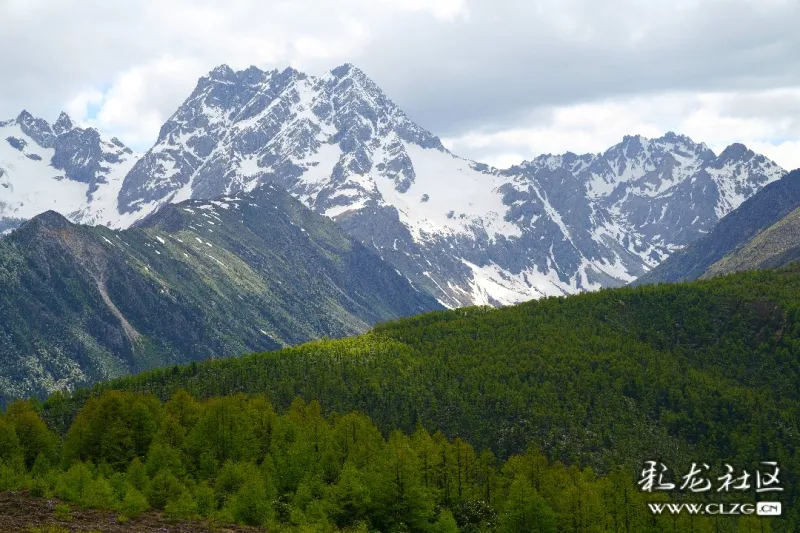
(462, 231)
(733, 233)
(75, 171)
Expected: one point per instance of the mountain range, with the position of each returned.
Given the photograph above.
(196, 280)
(277, 208)
(75, 171)
(464, 232)
(755, 235)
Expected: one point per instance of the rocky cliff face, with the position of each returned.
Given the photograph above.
(754, 235)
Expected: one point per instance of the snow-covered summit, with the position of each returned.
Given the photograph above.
(58, 166)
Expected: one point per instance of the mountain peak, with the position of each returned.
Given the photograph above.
(24, 116)
(344, 70)
(684, 143)
(735, 152)
(36, 128)
(287, 76)
(635, 137)
(349, 76)
(630, 146)
(252, 75)
(671, 136)
(63, 124)
(349, 70)
(736, 148)
(53, 218)
(45, 222)
(222, 72)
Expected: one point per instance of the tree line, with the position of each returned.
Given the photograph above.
(237, 458)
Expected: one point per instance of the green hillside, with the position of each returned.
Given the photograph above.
(197, 280)
(702, 371)
(774, 247)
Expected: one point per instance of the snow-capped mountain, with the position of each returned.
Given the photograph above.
(59, 166)
(624, 211)
(465, 232)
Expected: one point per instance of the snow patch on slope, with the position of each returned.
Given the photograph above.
(29, 185)
(457, 198)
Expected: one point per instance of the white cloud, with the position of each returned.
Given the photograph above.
(441, 9)
(355, 35)
(79, 105)
(138, 100)
(718, 119)
(580, 128)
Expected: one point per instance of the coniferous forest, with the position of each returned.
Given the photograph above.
(234, 459)
(537, 417)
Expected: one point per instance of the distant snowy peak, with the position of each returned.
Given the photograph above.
(238, 128)
(60, 165)
(37, 129)
(353, 94)
(63, 124)
(462, 231)
(669, 190)
(631, 162)
(739, 173)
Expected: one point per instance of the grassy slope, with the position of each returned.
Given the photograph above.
(776, 246)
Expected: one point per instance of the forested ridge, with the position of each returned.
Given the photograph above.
(702, 371)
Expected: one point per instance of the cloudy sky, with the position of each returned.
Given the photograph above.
(499, 80)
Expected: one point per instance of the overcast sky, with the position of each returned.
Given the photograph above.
(499, 80)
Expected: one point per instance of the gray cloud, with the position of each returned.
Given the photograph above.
(455, 66)
(775, 105)
(492, 69)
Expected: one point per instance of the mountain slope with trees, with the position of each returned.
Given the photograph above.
(236, 459)
(197, 280)
(703, 370)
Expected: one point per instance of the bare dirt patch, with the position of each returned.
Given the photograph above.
(21, 512)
